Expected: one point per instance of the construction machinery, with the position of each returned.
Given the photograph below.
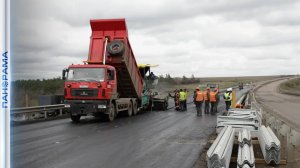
(110, 81)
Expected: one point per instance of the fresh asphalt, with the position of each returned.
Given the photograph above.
(159, 139)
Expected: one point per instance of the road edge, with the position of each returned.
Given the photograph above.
(274, 112)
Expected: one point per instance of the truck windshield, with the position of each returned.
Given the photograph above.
(86, 74)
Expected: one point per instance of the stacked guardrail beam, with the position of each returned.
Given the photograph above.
(240, 118)
(245, 154)
(219, 153)
(269, 144)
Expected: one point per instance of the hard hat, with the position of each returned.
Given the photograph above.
(197, 88)
(229, 89)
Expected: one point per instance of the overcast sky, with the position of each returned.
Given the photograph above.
(206, 38)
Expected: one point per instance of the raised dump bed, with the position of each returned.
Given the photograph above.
(117, 52)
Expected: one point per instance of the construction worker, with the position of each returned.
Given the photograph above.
(185, 100)
(213, 101)
(176, 99)
(206, 100)
(182, 99)
(228, 97)
(199, 98)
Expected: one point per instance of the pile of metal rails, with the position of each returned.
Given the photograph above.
(240, 119)
(269, 144)
(219, 153)
(245, 153)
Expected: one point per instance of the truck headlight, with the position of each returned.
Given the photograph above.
(101, 106)
(67, 106)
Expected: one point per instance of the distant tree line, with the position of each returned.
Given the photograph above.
(26, 92)
(184, 80)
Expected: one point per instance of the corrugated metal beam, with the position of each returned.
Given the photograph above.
(219, 153)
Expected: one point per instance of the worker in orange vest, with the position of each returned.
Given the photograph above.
(206, 95)
(199, 101)
(213, 101)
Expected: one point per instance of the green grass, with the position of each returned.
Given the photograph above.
(292, 85)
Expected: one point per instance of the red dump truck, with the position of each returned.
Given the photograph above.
(110, 81)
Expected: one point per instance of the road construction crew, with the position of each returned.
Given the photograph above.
(182, 99)
(199, 101)
(176, 99)
(206, 99)
(228, 97)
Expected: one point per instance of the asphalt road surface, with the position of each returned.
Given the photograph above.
(286, 106)
(157, 139)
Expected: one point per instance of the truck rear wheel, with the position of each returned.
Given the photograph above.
(76, 118)
(130, 109)
(134, 108)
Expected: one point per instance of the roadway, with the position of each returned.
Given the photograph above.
(284, 105)
(152, 139)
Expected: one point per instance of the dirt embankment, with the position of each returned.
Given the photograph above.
(291, 86)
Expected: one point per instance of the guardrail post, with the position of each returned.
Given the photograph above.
(60, 112)
(45, 113)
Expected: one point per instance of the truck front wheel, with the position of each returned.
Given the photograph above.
(76, 118)
(111, 115)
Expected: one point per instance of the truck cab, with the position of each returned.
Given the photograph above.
(88, 89)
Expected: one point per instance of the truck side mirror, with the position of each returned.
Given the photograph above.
(64, 74)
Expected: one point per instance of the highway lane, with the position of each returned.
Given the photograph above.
(153, 139)
(286, 106)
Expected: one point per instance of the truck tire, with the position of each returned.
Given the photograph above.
(112, 113)
(130, 109)
(75, 119)
(116, 47)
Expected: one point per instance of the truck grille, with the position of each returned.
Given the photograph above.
(84, 92)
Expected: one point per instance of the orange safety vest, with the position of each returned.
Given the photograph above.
(205, 95)
(213, 97)
(199, 96)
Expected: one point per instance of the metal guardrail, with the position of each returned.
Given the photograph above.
(239, 119)
(269, 144)
(219, 154)
(244, 137)
(245, 153)
(35, 112)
